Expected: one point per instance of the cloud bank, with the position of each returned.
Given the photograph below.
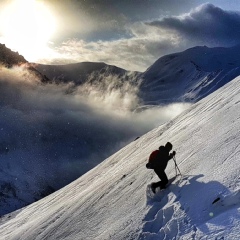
(207, 24)
(144, 42)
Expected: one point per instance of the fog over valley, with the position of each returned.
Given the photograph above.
(53, 133)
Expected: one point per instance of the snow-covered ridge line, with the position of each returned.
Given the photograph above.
(190, 75)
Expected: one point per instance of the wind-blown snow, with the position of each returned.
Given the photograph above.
(112, 200)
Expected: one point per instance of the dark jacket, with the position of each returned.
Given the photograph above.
(158, 160)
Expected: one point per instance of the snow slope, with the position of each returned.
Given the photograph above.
(112, 201)
(189, 75)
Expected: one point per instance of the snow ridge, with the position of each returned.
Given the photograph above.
(190, 75)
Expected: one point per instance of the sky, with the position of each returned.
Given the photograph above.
(129, 34)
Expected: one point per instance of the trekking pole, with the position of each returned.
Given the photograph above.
(176, 170)
(176, 166)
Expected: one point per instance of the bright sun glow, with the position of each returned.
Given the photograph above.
(26, 26)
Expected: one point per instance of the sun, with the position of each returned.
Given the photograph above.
(27, 26)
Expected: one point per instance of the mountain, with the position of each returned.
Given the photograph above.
(17, 191)
(189, 75)
(78, 73)
(9, 59)
(186, 76)
(113, 201)
(50, 133)
(58, 122)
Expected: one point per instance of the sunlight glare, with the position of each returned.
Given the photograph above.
(27, 26)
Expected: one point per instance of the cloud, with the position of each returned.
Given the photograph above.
(57, 132)
(109, 17)
(87, 19)
(206, 24)
(135, 53)
(131, 43)
(144, 42)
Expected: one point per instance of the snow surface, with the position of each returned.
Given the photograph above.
(112, 201)
(189, 75)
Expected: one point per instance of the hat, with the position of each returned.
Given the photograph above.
(168, 146)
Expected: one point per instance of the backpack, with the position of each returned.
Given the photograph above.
(153, 156)
(152, 159)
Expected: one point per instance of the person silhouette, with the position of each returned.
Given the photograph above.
(158, 161)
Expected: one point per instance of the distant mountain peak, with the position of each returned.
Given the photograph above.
(190, 75)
